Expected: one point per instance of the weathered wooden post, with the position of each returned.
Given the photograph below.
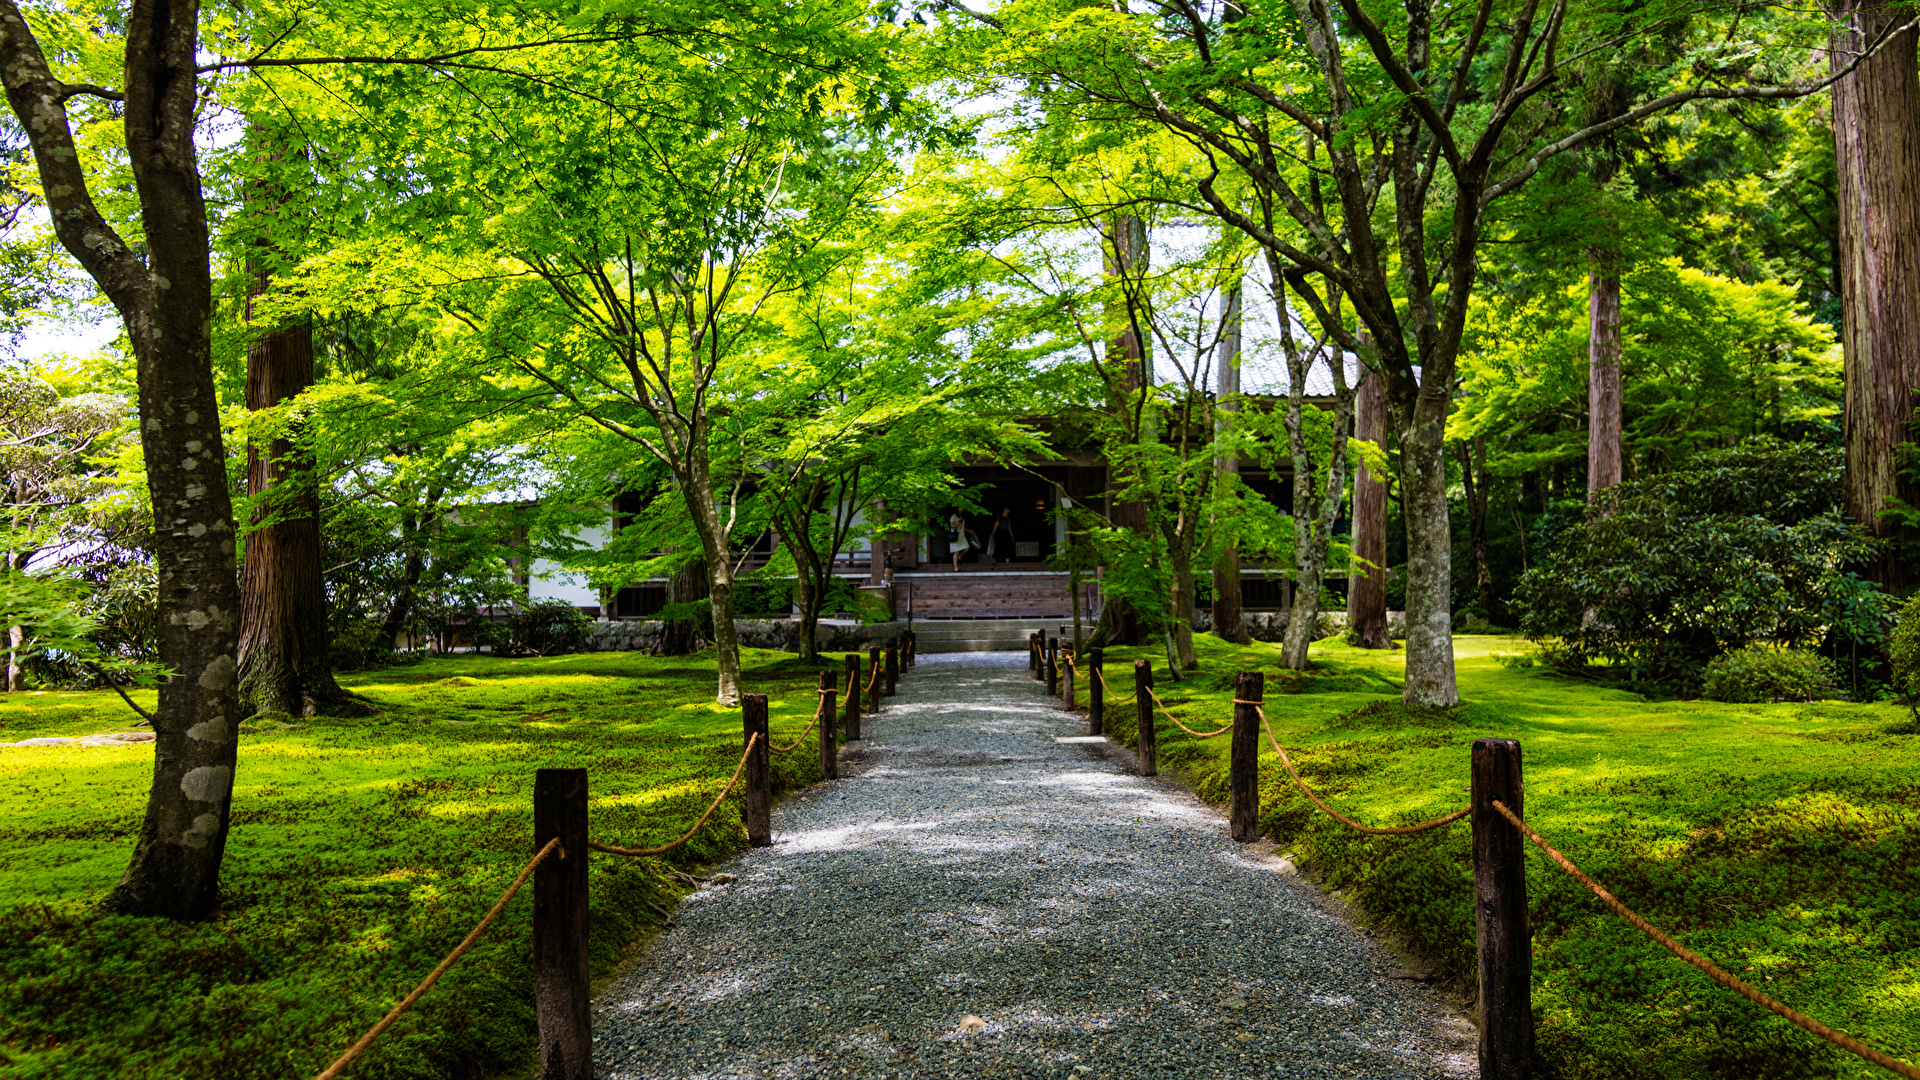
(873, 669)
(1096, 694)
(756, 806)
(560, 987)
(1050, 663)
(1033, 655)
(853, 697)
(892, 677)
(1149, 748)
(913, 649)
(829, 746)
(1243, 759)
(1500, 913)
(1066, 681)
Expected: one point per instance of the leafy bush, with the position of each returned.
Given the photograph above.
(359, 645)
(1905, 650)
(1760, 673)
(546, 629)
(1746, 545)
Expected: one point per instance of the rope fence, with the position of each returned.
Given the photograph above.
(561, 805)
(1168, 713)
(1406, 830)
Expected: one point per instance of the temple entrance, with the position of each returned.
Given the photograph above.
(1032, 503)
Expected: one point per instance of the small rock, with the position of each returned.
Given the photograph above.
(1235, 1003)
(722, 879)
(970, 1024)
(47, 740)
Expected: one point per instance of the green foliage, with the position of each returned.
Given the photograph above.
(362, 850)
(1746, 545)
(1904, 650)
(545, 629)
(1766, 673)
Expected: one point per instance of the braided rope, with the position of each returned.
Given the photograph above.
(1176, 720)
(873, 679)
(818, 711)
(459, 950)
(688, 835)
(1707, 967)
(1406, 830)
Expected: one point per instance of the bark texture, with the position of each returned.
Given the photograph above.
(1876, 126)
(166, 302)
(1603, 377)
(1367, 576)
(1473, 479)
(681, 637)
(1423, 484)
(1227, 625)
(284, 662)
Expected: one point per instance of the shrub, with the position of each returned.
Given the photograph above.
(1762, 673)
(546, 629)
(1746, 545)
(359, 645)
(1905, 653)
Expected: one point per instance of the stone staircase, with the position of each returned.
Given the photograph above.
(985, 594)
(978, 635)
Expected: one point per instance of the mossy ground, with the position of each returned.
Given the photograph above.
(361, 851)
(1781, 841)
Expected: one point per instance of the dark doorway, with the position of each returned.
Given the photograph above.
(1032, 501)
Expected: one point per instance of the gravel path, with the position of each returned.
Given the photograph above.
(973, 898)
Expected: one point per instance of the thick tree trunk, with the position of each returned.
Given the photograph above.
(1423, 486)
(1603, 376)
(1303, 618)
(807, 596)
(1367, 574)
(681, 637)
(1473, 478)
(1227, 623)
(1876, 125)
(284, 663)
(166, 301)
(697, 487)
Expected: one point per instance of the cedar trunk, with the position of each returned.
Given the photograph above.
(1876, 126)
(681, 637)
(1603, 378)
(166, 301)
(283, 657)
(1367, 576)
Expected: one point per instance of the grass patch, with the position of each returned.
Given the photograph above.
(1780, 841)
(361, 851)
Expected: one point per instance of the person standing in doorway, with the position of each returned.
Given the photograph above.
(957, 536)
(1001, 539)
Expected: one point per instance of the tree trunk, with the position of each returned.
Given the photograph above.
(1423, 486)
(697, 487)
(1473, 478)
(1876, 125)
(681, 637)
(1227, 623)
(1367, 575)
(807, 596)
(1180, 607)
(16, 675)
(400, 611)
(1126, 254)
(1603, 376)
(284, 662)
(166, 301)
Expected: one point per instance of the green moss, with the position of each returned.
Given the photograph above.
(1780, 841)
(361, 851)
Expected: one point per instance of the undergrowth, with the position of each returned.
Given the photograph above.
(1781, 841)
(361, 851)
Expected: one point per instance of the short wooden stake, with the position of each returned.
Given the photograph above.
(913, 649)
(1033, 655)
(1149, 748)
(853, 697)
(1066, 680)
(756, 806)
(560, 987)
(1243, 759)
(1500, 914)
(892, 677)
(1096, 694)
(1050, 661)
(873, 665)
(829, 745)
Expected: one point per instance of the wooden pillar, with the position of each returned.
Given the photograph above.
(873, 665)
(1149, 749)
(561, 996)
(1243, 760)
(829, 746)
(892, 677)
(757, 802)
(1066, 681)
(1500, 914)
(1096, 694)
(853, 697)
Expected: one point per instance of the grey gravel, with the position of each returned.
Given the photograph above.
(972, 898)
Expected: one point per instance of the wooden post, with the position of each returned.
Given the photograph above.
(1149, 748)
(757, 805)
(853, 697)
(829, 746)
(1243, 760)
(1033, 655)
(1500, 914)
(1049, 661)
(873, 665)
(1096, 694)
(560, 988)
(913, 649)
(1066, 681)
(892, 677)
